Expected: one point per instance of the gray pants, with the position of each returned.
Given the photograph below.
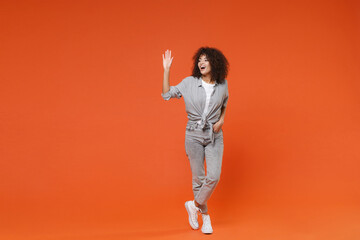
(198, 146)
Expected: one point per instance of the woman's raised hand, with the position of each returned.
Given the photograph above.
(167, 60)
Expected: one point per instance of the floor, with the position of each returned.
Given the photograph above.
(250, 222)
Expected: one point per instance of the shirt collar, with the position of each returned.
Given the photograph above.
(199, 82)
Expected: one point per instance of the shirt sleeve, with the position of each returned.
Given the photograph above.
(175, 91)
(226, 95)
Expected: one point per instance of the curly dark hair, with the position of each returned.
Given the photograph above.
(219, 64)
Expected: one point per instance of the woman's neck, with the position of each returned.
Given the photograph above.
(207, 79)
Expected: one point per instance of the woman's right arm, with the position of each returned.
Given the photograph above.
(167, 60)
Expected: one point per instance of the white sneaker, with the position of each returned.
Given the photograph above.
(193, 214)
(206, 227)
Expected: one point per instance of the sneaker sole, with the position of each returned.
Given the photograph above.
(190, 222)
(206, 232)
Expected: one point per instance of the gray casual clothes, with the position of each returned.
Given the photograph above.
(200, 139)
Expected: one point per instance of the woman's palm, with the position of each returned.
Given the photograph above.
(167, 59)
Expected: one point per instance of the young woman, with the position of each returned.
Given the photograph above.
(205, 94)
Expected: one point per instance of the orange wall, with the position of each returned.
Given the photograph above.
(85, 133)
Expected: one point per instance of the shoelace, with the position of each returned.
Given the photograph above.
(198, 211)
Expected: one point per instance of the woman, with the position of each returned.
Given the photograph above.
(205, 94)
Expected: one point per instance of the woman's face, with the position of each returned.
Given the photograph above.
(204, 65)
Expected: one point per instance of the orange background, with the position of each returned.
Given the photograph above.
(90, 150)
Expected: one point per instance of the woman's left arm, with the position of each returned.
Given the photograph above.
(217, 126)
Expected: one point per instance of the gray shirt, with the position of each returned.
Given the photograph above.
(194, 96)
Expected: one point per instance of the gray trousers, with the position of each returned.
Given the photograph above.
(198, 146)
